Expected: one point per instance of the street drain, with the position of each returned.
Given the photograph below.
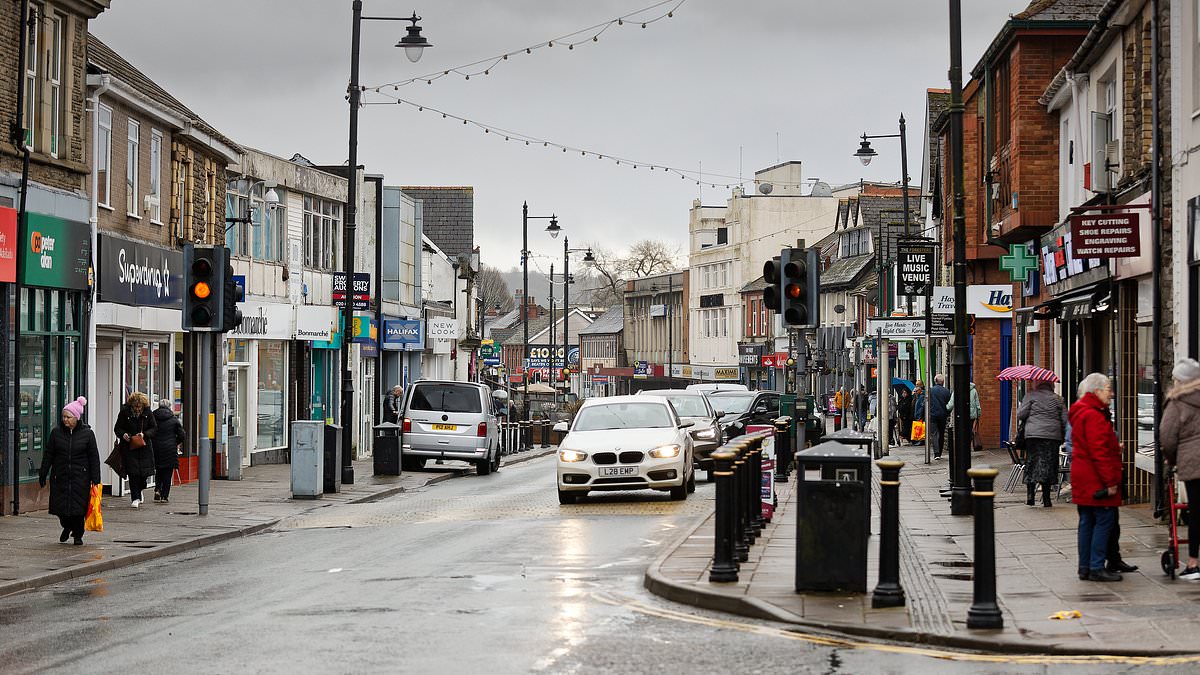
(954, 563)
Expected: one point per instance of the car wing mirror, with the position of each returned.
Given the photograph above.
(561, 426)
(718, 414)
(685, 425)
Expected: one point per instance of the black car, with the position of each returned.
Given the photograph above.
(744, 408)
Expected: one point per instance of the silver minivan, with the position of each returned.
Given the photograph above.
(449, 420)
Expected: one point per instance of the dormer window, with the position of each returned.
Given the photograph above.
(855, 243)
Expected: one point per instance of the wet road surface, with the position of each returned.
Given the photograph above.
(475, 575)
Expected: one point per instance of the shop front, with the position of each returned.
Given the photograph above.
(695, 374)
(319, 326)
(258, 385)
(403, 342)
(750, 357)
(139, 347)
(54, 257)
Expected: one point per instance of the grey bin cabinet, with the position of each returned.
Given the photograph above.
(833, 518)
(308, 458)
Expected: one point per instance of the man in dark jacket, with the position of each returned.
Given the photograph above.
(167, 441)
(936, 399)
(392, 403)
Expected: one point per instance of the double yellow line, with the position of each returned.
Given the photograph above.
(927, 652)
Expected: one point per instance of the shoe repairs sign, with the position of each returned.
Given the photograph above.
(1107, 235)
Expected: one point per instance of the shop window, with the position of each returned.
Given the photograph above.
(146, 371)
(156, 139)
(272, 405)
(31, 76)
(104, 155)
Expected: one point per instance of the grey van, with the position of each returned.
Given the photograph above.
(449, 420)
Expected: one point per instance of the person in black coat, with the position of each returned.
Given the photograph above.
(392, 404)
(168, 439)
(71, 463)
(133, 421)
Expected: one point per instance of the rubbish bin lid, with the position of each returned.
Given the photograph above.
(833, 451)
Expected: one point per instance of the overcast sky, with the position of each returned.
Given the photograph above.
(730, 86)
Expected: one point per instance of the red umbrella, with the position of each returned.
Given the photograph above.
(1027, 373)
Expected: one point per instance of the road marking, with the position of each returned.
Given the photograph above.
(847, 643)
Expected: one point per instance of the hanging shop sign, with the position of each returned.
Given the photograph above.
(315, 323)
(133, 273)
(915, 268)
(1109, 235)
(986, 301)
(360, 294)
(335, 339)
(1019, 262)
(265, 321)
(750, 354)
(364, 329)
(8, 245)
(442, 328)
(640, 370)
(55, 253)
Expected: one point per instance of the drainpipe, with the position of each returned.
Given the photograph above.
(99, 84)
(1156, 228)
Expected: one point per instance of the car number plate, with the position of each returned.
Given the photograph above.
(444, 427)
(616, 471)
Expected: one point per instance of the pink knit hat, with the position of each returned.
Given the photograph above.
(75, 408)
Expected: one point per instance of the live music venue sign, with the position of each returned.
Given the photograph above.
(1111, 235)
(915, 268)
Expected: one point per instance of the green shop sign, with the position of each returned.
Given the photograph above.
(55, 253)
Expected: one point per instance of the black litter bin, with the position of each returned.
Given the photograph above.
(385, 449)
(333, 458)
(833, 502)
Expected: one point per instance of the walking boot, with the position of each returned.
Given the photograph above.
(62, 538)
(1029, 493)
(1046, 502)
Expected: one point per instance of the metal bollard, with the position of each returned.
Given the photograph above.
(724, 566)
(783, 448)
(984, 612)
(754, 502)
(749, 493)
(742, 539)
(545, 433)
(888, 592)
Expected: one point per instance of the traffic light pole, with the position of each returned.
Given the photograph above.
(205, 416)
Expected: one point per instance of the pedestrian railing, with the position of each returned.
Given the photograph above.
(519, 436)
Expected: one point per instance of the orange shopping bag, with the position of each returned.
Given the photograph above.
(94, 521)
(918, 430)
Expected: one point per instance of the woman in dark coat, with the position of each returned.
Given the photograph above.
(904, 408)
(71, 462)
(168, 439)
(1043, 416)
(135, 420)
(1096, 472)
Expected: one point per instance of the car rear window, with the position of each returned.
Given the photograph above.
(732, 403)
(623, 416)
(451, 398)
(689, 406)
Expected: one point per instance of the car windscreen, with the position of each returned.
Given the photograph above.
(689, 406)
(450, 398)
(622, 416)
(731, 403)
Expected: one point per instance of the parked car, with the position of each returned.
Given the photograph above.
(743, 408)
(449, 420)
(693, 406)
(625, 443)
(717, 386)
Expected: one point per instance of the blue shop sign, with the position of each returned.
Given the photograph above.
(403, 334)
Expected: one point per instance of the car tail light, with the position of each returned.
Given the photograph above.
(481, 431)
(407, 427)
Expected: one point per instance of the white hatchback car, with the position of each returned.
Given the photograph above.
(625, 443)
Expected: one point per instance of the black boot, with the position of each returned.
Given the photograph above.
(1029, 490)
(1046, 495)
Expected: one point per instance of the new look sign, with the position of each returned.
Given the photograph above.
(134, 273)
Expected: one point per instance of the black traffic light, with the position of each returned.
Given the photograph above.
(203, 288)
(773, 294)
(801, 285)
(234, 293)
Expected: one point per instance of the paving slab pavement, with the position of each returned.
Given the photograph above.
(1145, 614)
(33, 557)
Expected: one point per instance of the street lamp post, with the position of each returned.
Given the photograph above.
(588, 260)
(552, 228)
(414, 44)
(866, 153)
(960, 487)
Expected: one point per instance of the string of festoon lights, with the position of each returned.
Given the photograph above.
(641, 17)
(724, 180)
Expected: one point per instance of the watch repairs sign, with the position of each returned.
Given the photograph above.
(1112, 235)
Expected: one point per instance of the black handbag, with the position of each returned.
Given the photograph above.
(1019, 441)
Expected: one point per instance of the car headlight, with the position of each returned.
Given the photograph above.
(572, 455)
(707, 434)
(665, 452)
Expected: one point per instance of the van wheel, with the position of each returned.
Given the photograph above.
(496, 461)
(483, 467)
(412, 463)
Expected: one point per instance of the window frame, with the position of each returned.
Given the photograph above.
(30, 68)
(156, 141)
(54, 68)
(133, 146)
(104, 158)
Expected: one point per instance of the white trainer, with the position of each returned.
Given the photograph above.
(137, 503)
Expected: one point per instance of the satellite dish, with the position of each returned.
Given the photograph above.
(765, 188)
(821, 189)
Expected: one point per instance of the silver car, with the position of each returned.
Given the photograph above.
(449, 420)
(693, 406)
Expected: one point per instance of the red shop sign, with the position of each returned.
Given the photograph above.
(8, 245)
(1110, 235)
